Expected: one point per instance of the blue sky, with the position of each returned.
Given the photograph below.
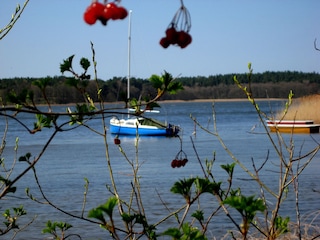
(274, 35)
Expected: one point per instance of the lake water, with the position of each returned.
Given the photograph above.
(80, 153)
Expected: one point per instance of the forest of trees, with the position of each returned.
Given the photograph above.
(264, 85)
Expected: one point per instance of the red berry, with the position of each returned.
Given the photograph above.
(97, 8)
(115, 13)
(122, 12)
(109, 11)
(179, 163)
(172, 35)
(184, 162)
(93, 12)
(173, 163)
(164, 42)
(184, 39)
(89, 16)
(117, 141)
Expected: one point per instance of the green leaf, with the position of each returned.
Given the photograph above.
(109, 206)
(156, 81)
(186, 229)
(165, 82)
(190, 232)
(246, 206)
(281, 224)
(50, 228)
(66, 65)
(20, 211)
(183, 187)
(97, 214)
(204, 185)
(229, 168)
(141, 219)
(127, 217)
(22, 159)
(63, 226)
(166, 78)
(198, 214)
(85, 63)
(43, 121)
(25, 158)
(172, 232)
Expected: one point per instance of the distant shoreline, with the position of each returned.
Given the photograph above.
(222, 100)
(178, 101)
(212, 100)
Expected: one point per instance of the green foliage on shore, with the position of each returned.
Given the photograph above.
(267, 84)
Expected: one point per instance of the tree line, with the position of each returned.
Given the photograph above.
(263, 85)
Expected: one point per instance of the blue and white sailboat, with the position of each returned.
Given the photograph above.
(142, 127)
(137, 124)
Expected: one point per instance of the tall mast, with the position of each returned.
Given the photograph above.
(129, 56)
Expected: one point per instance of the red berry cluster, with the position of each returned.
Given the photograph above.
(177, 32)
(180, 160)
(104, 12)
(178, 163)
(173, 37)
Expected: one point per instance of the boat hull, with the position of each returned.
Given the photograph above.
(295, 129)
(132, 127)
(119, 130)
(287, 126)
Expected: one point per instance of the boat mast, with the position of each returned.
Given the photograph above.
(129, 57)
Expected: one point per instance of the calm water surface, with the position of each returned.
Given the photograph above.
(79, 154)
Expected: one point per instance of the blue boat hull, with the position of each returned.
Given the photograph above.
(141, 131)
(142, 127)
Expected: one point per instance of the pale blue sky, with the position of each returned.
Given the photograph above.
(275, 35)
